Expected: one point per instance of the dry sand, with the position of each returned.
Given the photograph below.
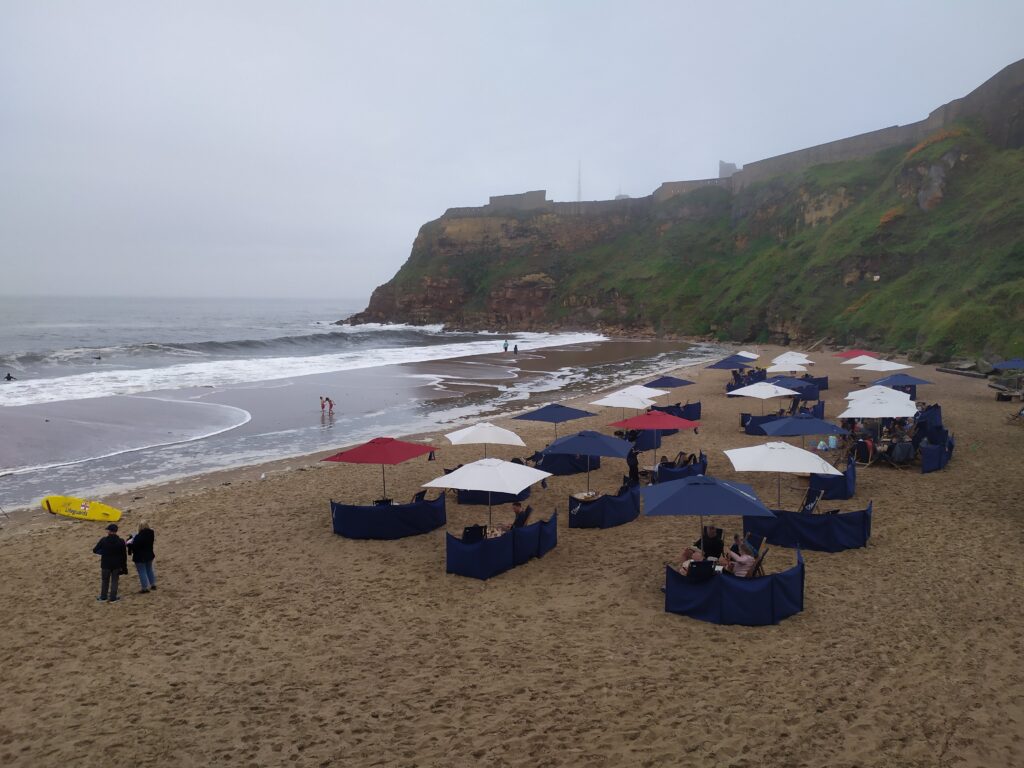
(272, 641)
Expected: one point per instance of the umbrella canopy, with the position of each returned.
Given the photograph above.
(485, 433)
(860, 360)
(791, 383)
(877, 391)
(1016, 364)
(804, 424)
(785, 366)
(642, 391)
(851, 353)
(879, 408)
(883, 365)
(778, 457)
(554, 413)
(702, 495)
(624, 400)
(901, 380)
(381, 450)
(747, 355)
(589, 443)
(668, 381)
(791, 357)
(656, 420)
(491, 475)
(732, 362)
(762, 390)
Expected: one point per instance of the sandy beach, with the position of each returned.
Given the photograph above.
(271, 641)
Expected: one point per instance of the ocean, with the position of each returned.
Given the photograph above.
(116, 393)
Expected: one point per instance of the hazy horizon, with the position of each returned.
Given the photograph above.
(267, 150)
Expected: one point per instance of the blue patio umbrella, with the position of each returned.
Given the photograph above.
(732, 363)
(589, 443)
(703, 495)
(901, 380)
(790, 382)
(1016, 364)
(668, 381)
(801, 425)
(554, 413)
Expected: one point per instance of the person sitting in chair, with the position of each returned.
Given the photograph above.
(521, 515)
(736, 542)
(740, 564)
(711, 543)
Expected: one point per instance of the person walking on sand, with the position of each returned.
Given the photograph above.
(515, 350)
(323, 403)
(140, 547)
(506, 346)
(113, 562)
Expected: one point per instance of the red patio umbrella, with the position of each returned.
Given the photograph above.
(381, 450)
(656, 420)
(851, 353)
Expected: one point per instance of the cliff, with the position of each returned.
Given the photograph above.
(916, 247)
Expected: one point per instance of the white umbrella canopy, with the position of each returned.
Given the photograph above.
(778, 457)
(785, 366)
(641, 391)
(878, 391)
(762, 390)
(883, 365)
(485, 433)
(859, 360)
(493, 475)
(624, 400)
(791, 357)
(748, 355)
(879, 408)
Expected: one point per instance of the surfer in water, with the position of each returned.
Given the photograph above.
(8, 377)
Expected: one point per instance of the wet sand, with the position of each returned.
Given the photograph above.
(272, 641)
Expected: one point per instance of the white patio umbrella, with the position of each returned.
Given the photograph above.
(491, 475)
(625, 400)
(640, 390)
(877, 390)
(879, 408)
(784, 367)
(779, 457)
(748, 355)
(792, 357)
(859, 360)
(762, 390)
(883, 365)
(485, 433)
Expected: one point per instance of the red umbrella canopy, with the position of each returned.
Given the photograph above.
(381, 450)
(851, 353)
(656, 420)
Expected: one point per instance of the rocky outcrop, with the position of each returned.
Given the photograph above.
(926, 182)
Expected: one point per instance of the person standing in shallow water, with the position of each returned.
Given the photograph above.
(323, 403)
(140, 547)
(505, 346)
(330, 406)
(113, 562)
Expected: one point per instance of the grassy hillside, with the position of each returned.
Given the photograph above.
(794, 256)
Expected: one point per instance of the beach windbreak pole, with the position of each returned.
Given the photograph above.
(381, 450)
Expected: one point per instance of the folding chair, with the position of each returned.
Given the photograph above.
(758, 569)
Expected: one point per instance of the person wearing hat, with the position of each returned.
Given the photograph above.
(113, 562)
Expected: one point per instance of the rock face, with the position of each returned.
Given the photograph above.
(926, 182)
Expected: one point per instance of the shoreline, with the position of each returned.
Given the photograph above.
(31, 516)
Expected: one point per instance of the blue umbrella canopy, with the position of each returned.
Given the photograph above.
(1016, 364)
(668, 381)
(789, 382)
(733, 362)
(554, 413)
(901, 380)
(703, 495)
(589, 443)
(804, 424)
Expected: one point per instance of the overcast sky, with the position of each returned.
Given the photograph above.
(295, 148)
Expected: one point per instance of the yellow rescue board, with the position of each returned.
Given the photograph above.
(81, 509)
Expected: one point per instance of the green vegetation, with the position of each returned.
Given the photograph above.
(756, 265)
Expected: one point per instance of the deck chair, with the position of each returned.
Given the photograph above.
(899, 455)
(418, 497)
(522, 517)
(758, 569)
(810, 502)
(471, 534)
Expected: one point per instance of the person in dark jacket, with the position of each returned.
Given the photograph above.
(113, 562)
(140, 547)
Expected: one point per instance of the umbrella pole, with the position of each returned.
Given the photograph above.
(778, 497)
(588, 474)
(702, 533)
(384, 482)
(488, 509)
